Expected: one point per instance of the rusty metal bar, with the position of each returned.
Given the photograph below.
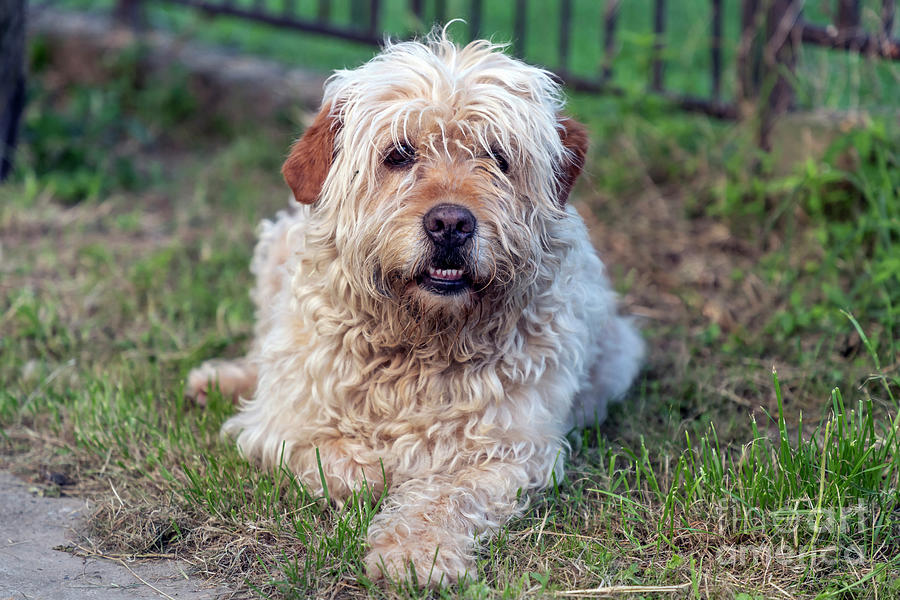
(713, 108)
(659, 26)
(519, 27)
(565, 31)
(716, 49)
(749, 60)
(418, 9)
(475, 19)
(848, 14)
(374, 17)
(610, 16)
(888, 8)
(854, 42)
(354, 35)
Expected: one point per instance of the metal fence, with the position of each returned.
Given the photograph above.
(771, 32)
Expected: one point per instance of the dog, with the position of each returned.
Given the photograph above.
(431, 318)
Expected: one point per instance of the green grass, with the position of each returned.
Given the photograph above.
(715, 476)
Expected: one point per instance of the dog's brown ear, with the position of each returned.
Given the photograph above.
(575, 139)
(310, 159)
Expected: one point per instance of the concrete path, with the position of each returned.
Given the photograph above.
(31, 527)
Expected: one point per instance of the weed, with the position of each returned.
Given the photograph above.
(84, 141)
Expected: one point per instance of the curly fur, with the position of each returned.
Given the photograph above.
(465, 398)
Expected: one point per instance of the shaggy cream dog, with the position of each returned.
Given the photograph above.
(431, 311)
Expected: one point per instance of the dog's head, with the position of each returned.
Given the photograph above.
(439, 172)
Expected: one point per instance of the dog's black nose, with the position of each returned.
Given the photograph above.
(449, 225)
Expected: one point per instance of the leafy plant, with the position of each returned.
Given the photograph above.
(84, 141)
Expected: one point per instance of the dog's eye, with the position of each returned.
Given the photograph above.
(400, 156)
(501, 161)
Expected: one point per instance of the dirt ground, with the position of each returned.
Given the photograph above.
(40, 556)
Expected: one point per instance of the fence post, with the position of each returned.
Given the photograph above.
(766, 61)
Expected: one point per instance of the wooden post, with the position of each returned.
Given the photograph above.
(12, 78)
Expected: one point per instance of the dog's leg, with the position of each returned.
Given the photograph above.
(620, 352)
(430, 524)
(347, 466)
(278, 432)
(235, 378)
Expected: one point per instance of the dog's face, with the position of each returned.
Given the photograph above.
(439, 170)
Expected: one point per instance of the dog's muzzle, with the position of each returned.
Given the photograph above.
(450, 227)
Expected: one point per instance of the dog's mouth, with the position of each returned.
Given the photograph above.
(444, 281)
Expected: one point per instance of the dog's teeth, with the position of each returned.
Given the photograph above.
(449, 274)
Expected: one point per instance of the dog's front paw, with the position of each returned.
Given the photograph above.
(235, 379)
(402, 549)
